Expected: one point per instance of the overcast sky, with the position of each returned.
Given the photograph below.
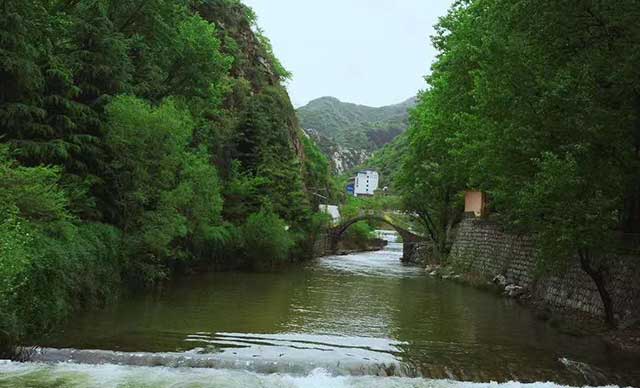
(370, 52)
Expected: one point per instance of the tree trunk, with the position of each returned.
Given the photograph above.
(598, 278)
(444, 222)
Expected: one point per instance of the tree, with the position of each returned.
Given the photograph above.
(165, 192)
(537, 104)
(436, 167)
(573, 210)
(265, 240)
(49, 263)
(429, 185)
(563, 156)
(198, 199)
(117, 119)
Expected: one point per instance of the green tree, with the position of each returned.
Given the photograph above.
(536, 103)
(264, 147)
(573, 210)
(165, 192)
(20, 75)
(572, 129)
(265, 240)
(49, 263)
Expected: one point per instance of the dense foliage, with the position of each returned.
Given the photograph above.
(537, 103)
(49, 262)
(139, 138)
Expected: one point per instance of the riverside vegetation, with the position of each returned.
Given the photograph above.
(538, 104)
(140, 139)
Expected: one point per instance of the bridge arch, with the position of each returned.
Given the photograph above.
(407, 236)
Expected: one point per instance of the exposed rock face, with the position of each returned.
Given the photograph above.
(514, 290)
(345, 159)
(342, 158)
(500, 280)
(348, 134)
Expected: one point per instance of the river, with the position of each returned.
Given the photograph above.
(340, 321)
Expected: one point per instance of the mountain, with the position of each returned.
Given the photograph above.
(388, 160)
(349, 133)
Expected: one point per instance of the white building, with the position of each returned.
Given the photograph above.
(366, 182)
(333, 211)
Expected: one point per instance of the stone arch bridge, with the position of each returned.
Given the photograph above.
(408, 238)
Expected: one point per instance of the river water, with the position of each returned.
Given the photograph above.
(342, 321)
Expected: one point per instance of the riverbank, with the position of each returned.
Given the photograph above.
(46, 281)
(574, 323)
(486, 257)
(357, 317)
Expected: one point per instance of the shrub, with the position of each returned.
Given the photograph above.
(358, 235)
(50, 264)
(306, 236)
(266, 241)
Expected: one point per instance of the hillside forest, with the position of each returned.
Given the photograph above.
(348, 134)
(140, 139)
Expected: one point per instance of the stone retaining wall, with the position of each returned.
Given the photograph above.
(420, 253)
(481, 247)
(322, 245)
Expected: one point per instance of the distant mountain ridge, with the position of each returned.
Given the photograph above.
(349, 133)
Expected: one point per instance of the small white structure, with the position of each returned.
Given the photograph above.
(333, 211)
(387, 235)
(366, 183)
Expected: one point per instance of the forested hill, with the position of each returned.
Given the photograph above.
(388, 160)
(138, 138)
(349, 133)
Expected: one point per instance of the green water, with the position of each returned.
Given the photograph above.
(337, 320)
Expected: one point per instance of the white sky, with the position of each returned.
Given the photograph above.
(370, 52)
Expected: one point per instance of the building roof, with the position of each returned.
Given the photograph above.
(332, 210)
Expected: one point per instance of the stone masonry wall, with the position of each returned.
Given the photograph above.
(322, 245)
(420, 253)
(482, 248)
